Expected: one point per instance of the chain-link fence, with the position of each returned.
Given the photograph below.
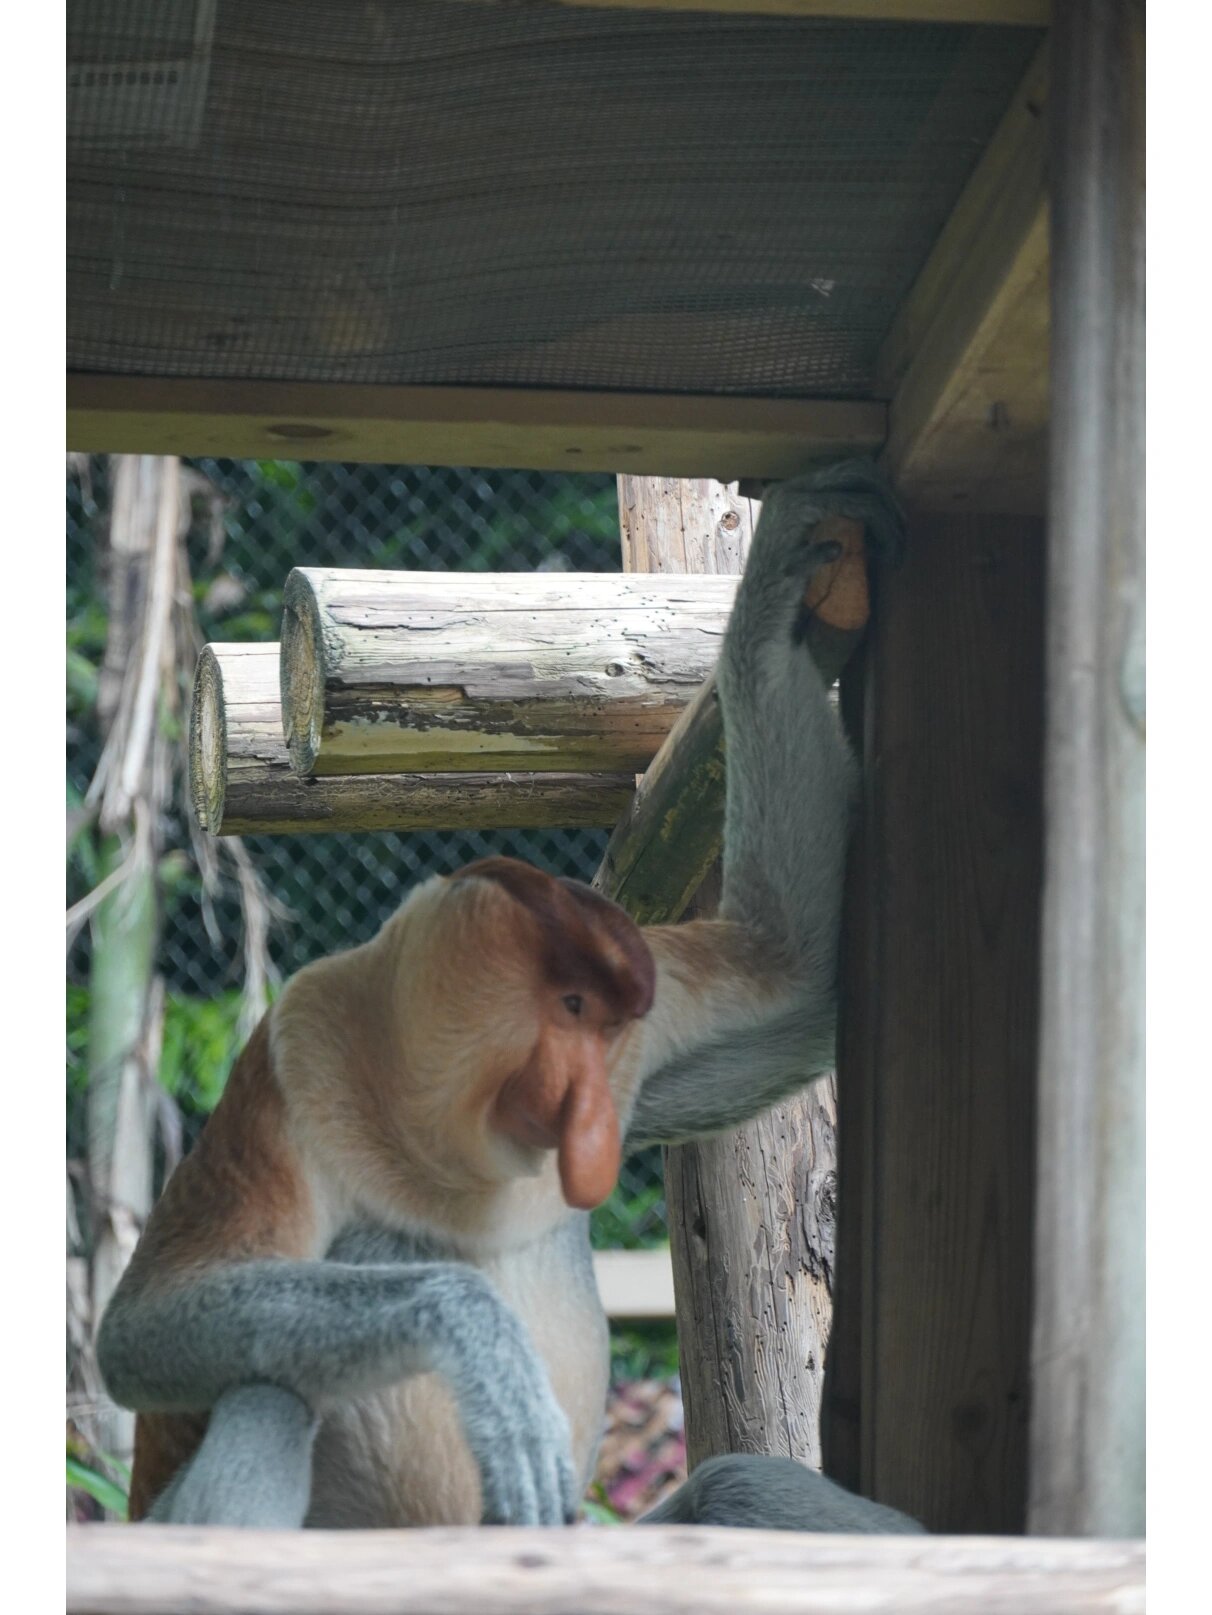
(334, 890)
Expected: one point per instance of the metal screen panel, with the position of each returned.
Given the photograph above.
(520, 195)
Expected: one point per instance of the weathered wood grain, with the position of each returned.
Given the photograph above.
(386, 672)
(241, 781)
(751, 1227)
(1088, 1358)
(965, 362)
(937, 1055)
(663, 1570)
(546, 430)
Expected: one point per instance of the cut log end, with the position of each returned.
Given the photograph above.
(208, 744)
(302, 676)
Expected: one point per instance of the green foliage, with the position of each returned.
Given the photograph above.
(82, 848)
(626, 1221)
(109, 1493)
(643, 1351)
(200, 1041)
(77, 1037)
(596, 1507)
(81, 683)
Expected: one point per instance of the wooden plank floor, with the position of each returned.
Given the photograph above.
(662, 1570)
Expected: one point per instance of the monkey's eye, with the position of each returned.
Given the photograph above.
(572, 1003)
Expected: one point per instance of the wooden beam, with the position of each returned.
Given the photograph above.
(965, 362)
(937, 1042)
(241, 781)
(1007, 13)
(404, 672)
(647, 433)
(662, 1570)
(1088, 1389)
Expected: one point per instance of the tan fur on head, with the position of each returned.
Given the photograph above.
(443, 1062)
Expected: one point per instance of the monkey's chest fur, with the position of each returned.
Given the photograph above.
(398, 1456)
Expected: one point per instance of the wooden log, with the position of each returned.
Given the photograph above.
(391, 672)
(1088, 1359)
(662, 1570)
(241, 781)
(937, 1042)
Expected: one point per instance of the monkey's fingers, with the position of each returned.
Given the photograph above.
(510, 1493)
(555, 1484)
(570, 1491)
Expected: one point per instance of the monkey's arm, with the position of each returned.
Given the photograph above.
(226, 1290)
(746, 1005)
(773, 1494)
(328, 1331)
(253, 1468)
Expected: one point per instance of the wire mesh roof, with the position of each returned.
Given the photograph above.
(518, 194)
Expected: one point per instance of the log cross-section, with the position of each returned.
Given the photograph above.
(241, 781)
(392, 672)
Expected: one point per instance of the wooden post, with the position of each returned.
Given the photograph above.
(1087, 1430)
(750, 1212)
(926, 1394)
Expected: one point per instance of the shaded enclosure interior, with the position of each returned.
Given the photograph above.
(526, 195)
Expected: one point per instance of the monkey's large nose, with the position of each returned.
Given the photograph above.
(590, 1145)
(562, 1100)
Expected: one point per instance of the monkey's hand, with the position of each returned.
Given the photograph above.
(795, 541)
(516, 1429)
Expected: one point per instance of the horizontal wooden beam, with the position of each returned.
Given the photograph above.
(654, 434)
(663, 1570)
(635, 1284)
(406, 672)
(1010, 13)
(965, 362)
(241, 781)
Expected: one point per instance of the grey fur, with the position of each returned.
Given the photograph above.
(790, 782)
(253, 1467)
(331, 1330)
(303, 1336)
(773, 1494)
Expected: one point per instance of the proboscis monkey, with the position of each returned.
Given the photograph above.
(366, 1298)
